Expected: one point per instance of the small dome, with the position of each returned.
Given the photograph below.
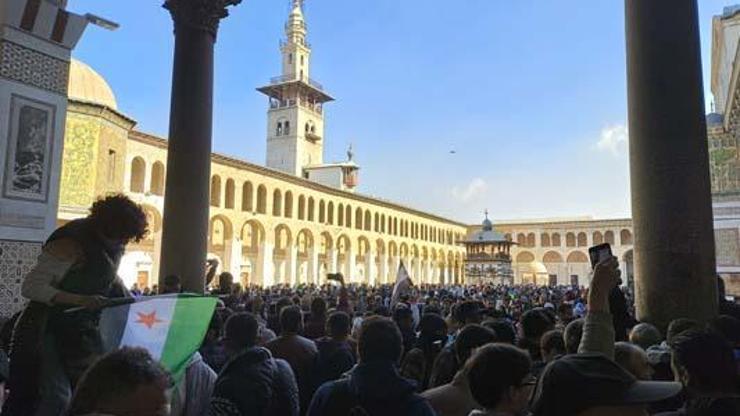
(714, 119)
(537, 267)
(487, 225)
(87, 85)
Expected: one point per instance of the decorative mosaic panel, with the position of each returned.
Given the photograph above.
(727, 243)
(16, 259)
(79, 161)
(33, 68)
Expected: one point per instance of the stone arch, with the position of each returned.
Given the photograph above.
(363, 246)
(521, 239)
(262, 199)
(301, 207)
(625, 237)
(358, 218)
(598, 238)
(252, 236)
(215, 191)
(393, 249)
(283, 237)
(311, 204)
(277, 203)
(582, 240)
(304, 242)
(380, 247)
(247, 197)
(552, 257)
(609, 237)
(326, 243)
(403, 250)
(577, 257)
(368, 221)
(330, 213)
(524, 257)
(156, 184)
(555, 240)
(138, 175)
(530, 240)
(570, 240)
(288, 204)
(154, 220)
(229, 194)
(220, 231)
(545, 240)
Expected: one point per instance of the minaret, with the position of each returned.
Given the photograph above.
(295, 119)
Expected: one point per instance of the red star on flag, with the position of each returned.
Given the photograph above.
(148, 319)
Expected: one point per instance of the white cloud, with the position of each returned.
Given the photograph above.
(613, 139)
(475, 189)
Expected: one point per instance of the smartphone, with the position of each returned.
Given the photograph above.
(599, 253)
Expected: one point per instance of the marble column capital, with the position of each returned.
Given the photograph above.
(199, 14)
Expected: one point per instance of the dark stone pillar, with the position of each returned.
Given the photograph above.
(669, 165)
(185, 227)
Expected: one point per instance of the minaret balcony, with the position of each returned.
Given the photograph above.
(295, 77)
(313, 137)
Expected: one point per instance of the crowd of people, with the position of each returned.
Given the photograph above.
(338, 349)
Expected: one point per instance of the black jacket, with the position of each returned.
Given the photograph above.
(254, 383)
(370, 389)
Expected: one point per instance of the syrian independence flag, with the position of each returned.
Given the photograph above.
(403, 284)
(170, 327)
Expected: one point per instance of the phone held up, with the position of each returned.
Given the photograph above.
(599, 253)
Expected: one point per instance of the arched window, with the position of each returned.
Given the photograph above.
(609, 237)
(277, 203)
(322, 211)
(625, 237)
(530, 240)
(229, 203)
(521, 239)
(310, 208)
(598, 238)
(376, 223)
(261, 199)
(308, 128)
(348, 216)
(138, 175)
(286, 128)
(367, 221)
(555, 240)
(289, 204)
(301, 60)
(330, 213)
(290, 58)
(215, 191)
(582, 240)
(570, 240)
(156, 185)
(247, 204)
(301, 207)
(279, 129)
(340, 215)
(358, 219)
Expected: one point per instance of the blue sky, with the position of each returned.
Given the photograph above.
(531, 94)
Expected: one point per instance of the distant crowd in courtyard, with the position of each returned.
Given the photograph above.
(346, 349)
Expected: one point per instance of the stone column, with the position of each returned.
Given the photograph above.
(669, 164)
(267, 264)
(313, 266)
(291, 272)
(185, 228)
(382, 270)
(333, 258)
(351, 263)
(370, 272)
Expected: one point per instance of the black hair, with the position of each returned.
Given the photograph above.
(552, 341)
(470, 338)
(708, 359)
(291, 319)
(678, 326)
(535, 323)
(572, 335)
(504, 330)
(114, 376)
(493, 369)
(379, 340)
(118, 217)
(338, 324)
(241, 331)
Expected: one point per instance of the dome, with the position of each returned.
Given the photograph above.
(537, 267)
(714, 119)
(487, 225)
(88, 86)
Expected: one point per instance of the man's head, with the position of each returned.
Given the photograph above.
(645, 335)
(225, 282)
(379, 340)
(728, 327)
(338, 324)
(552, 345)
(703, 361)
(678, 326)
(633, 359)
(291, 320)
(572, 335)
(432, 329)
(119, 219)
(126, 382)
(593, 385)
(535, 323)
(499, 378)
(504, 330)
(172, 284)
(467, 312)
(470, 338)
(241, 332)
(404, 318)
